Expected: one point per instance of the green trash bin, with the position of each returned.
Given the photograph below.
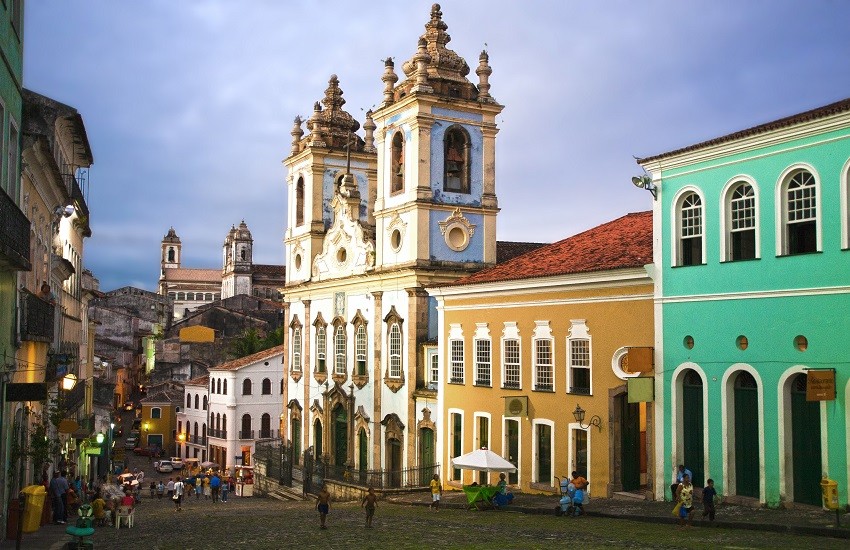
(35, 495)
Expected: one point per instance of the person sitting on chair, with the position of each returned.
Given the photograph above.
(503, 497)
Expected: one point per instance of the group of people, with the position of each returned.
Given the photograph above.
(683, 493)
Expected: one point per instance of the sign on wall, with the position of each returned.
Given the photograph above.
(820, 385)
(641, 389)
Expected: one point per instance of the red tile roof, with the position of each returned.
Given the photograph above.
(199, 381)
(621, 243)
(507, 250)
(249, 359)
(813, 114)
(191, 274)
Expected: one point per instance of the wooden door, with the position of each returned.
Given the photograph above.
(747, 469)
(629, 443)
(692, 427)
(805, 444)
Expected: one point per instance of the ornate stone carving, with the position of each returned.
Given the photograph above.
(457, 230)
(345, 250)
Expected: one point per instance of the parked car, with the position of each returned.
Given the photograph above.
(177, 462)
(163, 466)
(130, 443)
(148, 451)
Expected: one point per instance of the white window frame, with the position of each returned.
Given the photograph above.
(158, 414)
(575, 427)
(726, 218)
(321, 349)
(676, 224)
(395, 338)
(340, 349)
(579, 332)
(542, 332)
(510, 333)
(456, 361)
(534, 447)
(781, 205)
(483, 360)
(296, 349)
(361, 347)
(450, 442)
(433, 365)
(845, 205)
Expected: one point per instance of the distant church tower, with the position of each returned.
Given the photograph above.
(316, 166)
(237, 253)
(436, 142)
(171, 250)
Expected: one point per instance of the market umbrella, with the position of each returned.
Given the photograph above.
(483, 460)
(209, 464)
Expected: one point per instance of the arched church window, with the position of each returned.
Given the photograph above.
(299, 202)
(243, 254)
(456, 148)
(397, 163)
(170, 254)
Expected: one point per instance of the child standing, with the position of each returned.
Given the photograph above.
(436, 492)
(323, 505)
(370, 502)
(708, 494)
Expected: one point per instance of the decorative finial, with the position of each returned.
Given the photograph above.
(297, 133)
(369, 127)
(421, 59)
(389, 78)
(484, 71)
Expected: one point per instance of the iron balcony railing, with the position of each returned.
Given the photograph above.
(268, 434)
(198, 439)
(246, 434)
(14, 235)
(36, 318)
(221, 434)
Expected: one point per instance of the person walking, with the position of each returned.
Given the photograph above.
(436, 492)
(708, 494)
(199, 485)
(178, 494)
(323, 505)
(225, 488)
(679, 474)
(685, 497)
(160, 489)
(370, 502)
(169, 487)
(215, 487)
(58, 488)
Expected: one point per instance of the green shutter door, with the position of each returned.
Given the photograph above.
(512, 437)
(630, 443)
(340, 436)
(426, 447)
(805, 444)
(747, 471)
(692, 429)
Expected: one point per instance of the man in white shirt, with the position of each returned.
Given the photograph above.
(178, 494)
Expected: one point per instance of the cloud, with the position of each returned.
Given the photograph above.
(189, 105)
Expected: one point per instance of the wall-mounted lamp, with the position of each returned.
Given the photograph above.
(594, 420)
(645, 182)
(69, 381)
(146, 426)
(64, 211)
(99, 438)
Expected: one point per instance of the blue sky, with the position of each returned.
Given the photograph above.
(188, 105)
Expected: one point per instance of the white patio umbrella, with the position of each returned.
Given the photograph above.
(483, 460)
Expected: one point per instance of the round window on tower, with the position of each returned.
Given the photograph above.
(341, 255)
(395, 240)
(297, 262)
(457, 237)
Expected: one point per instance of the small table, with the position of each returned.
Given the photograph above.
(476, 494)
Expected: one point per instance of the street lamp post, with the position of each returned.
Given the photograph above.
(109, 450)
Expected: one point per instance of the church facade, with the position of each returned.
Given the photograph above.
(372, 221)
(190, 288)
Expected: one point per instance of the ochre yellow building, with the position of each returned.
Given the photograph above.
(526, 343)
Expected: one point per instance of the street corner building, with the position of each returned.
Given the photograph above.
(752, 274)
(372, 221)
(539, 356)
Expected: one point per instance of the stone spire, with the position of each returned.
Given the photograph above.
(297, 133)
(444, 63)
(484, 71)
(389, 78)
(329, 126)
(369, 128)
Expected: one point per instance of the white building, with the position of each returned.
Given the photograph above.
(192, 419)
(244, 405)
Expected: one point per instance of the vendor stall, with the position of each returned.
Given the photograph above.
(244, 481)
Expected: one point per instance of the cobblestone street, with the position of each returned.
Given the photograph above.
(267, 523)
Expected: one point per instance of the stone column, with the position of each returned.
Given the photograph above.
(377, 379)
(284, 422)
(417, 331)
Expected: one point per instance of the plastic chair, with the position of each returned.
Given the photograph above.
(125, 514)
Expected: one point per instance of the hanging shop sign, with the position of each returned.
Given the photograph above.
(641, 389)
(820, 385)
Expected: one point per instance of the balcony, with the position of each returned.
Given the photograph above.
(246, 434)
(14, 236)
(269, 434)
(36, 318)
(221, 434)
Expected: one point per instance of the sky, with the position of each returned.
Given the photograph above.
(188, 105)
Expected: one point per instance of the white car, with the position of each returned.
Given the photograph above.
(128, 480)
(176, 462)
(163, 466)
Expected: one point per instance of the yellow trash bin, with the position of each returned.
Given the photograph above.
(35, 495)
(829, 493)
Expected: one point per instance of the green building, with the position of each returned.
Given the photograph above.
(752, 300)
(14, 225)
